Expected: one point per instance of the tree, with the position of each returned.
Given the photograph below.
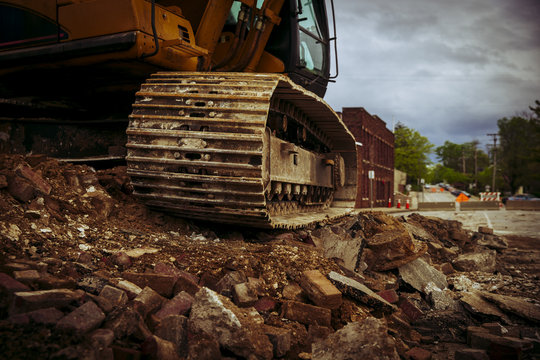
(519, 155)
(411, 152)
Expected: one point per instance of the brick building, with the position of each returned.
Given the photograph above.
(376, 153)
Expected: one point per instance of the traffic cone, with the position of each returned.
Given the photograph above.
(399, 204)
(407, 204)
(389, 202)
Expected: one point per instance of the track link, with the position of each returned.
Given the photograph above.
(197, 144)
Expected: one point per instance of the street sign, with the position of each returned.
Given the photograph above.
(371, 174)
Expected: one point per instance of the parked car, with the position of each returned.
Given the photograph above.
(523, 197)
(457, 192)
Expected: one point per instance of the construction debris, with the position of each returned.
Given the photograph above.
(87, 272)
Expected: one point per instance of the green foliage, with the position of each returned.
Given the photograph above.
(448, 175)
(462, 157)
(519, 155)
(411, 152)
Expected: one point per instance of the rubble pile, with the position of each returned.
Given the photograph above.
(87, 272)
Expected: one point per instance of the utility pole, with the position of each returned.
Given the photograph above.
(494, 159)
(475, 167)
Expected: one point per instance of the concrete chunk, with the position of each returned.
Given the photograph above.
(419, 273)
(481, 261)
(33, 300)
(360, 292)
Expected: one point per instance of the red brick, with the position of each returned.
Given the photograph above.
(389, 295)
(417, 353)
(162, 284)
(265, 304)
(306, 314)
(412, 312)
(130, 288)
(320, 290)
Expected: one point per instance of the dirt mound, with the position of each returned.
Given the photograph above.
(88, 272)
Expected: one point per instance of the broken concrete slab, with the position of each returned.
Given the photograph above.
(480, 261)
(306, 314)
(492, 241)
(337, 243)
(320, 290)
(360, 292)
(473, 302)
(215, 315)
(517, 306)
(367, 339)
(418, 273)
(441, 299)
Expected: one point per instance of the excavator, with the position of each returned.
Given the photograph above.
(216, 105)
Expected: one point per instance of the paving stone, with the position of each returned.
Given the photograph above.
(419, 273)
(114, 295)
(26, 276)
(49, 316)
(225, 285)
(471, 354)
(123, 323)
(306, 314)
(320, 290)
(293, 291)
(360, 292)
(280, 339)
(367, 339)
(417, 353)
(155, 347)
(34, 300)
(178, 305)
(161, 283)
(85, 318)
(244, 295)
(148, 301)
(173, 328)
(10, 285)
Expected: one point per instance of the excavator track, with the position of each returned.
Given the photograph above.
(218, 147)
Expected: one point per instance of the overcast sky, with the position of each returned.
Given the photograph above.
(449, 69)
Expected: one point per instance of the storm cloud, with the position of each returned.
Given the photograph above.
(449, 69)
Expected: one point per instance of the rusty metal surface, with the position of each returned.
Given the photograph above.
(199, 147)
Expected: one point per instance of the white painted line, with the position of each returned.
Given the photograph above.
(488, 221)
